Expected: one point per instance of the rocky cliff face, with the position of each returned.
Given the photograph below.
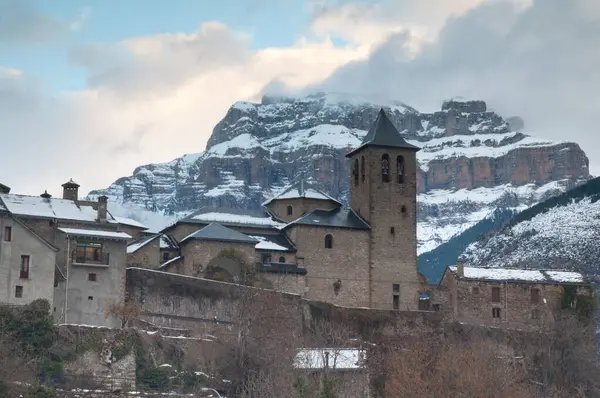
(472, 160)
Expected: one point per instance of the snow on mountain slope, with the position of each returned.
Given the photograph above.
(562, 232)
(470, 162)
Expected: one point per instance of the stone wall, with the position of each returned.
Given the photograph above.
(147, 256)
(199, 256)
(347, 262)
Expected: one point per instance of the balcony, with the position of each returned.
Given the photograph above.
(90, 258)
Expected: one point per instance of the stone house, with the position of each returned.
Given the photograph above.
(525, 299)
(303, 241)
(70, 252)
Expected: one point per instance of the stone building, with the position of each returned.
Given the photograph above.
(66, 250)
(304, 241)
(526, 299)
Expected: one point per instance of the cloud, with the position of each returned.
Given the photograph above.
(22, 22)
(155, 97)
(533, 59)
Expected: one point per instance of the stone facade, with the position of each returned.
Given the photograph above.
(201, 256)
(17, 287)
(390, 208)
(299, 207)
(146, 256)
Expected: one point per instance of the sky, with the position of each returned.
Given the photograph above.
(90, 90)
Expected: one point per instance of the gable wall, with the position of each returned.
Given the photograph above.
(300, 206)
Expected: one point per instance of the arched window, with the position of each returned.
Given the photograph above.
(282, 259)
(385, 168)
(355, 172)
(400, 169)
(328, 241)
(289, 210)
(362, 168)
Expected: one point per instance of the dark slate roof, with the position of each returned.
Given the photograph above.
(168, 242)
(280, 239)
(337, 218)
(383, 133)
(217, 232)
(230, 217)
(302, 189)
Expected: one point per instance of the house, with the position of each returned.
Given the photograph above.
(525, 299)
(304, 241)
(73, 248)
(344, 369)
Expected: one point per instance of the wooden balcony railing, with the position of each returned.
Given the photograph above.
(78, 257)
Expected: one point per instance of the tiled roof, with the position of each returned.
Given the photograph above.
(302, 189)
(383, 133)
(337, 218)
(517, 275)
(217, 232)
(231, 217)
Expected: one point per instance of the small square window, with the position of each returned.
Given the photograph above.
(18, 291)
(7, 234)
(535, 314)
(392, 230)
(396, 288)
(396, 302)
(535, 295)
(90, 298)
(92, 277)
(496, 312)
(495, 294)
(166, 257)
(437, 307)
(475, 290)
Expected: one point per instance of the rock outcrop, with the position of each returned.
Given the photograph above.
(471, 160)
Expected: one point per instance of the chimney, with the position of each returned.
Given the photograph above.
(46, 195)
(102, 208)
(4, 188)
(460, 268)
(70, 190)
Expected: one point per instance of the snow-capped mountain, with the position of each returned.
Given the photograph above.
(561, 232)
(472, 160)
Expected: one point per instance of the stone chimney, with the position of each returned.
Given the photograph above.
(46, 195)
(102, 208)
(4, 188)
(70, 190)
(460, 268)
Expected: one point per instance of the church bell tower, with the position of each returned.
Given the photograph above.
(384, 193)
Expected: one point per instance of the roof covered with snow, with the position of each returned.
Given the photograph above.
(168, 242)
(336, 218)
(302, 190)
(515, 275)
(331, 358)
(231, 217)
(135, 246)
(129, 221)
(218, 232)
(272, 242)
(95, 233)
(383, 133)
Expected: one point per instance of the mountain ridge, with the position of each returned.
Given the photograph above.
(471, 161)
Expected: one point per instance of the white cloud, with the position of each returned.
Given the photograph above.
(156, 97)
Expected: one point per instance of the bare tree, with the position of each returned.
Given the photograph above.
(124, 311)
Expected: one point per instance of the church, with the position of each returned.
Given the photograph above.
(306, 242)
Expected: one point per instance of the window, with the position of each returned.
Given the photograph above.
(362, 168)
(496, 312)
(385, 168)
(403, 209)
(535, 296)
(282, 259)
(90, 298)
(166, 257)
(475, 290)
(424, 305)
(355, 172)
(90, 252)
(18, 291)
(24, 271)
(7, 234)
(437, 307)
(266, 259)
(92, 277)
(396, 287)
(328, 241)
(396, 302)
(400, 168)
(289, 210)
(535, 314)
(392, 230)
(495, 294)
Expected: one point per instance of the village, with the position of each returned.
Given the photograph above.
(274, 272)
